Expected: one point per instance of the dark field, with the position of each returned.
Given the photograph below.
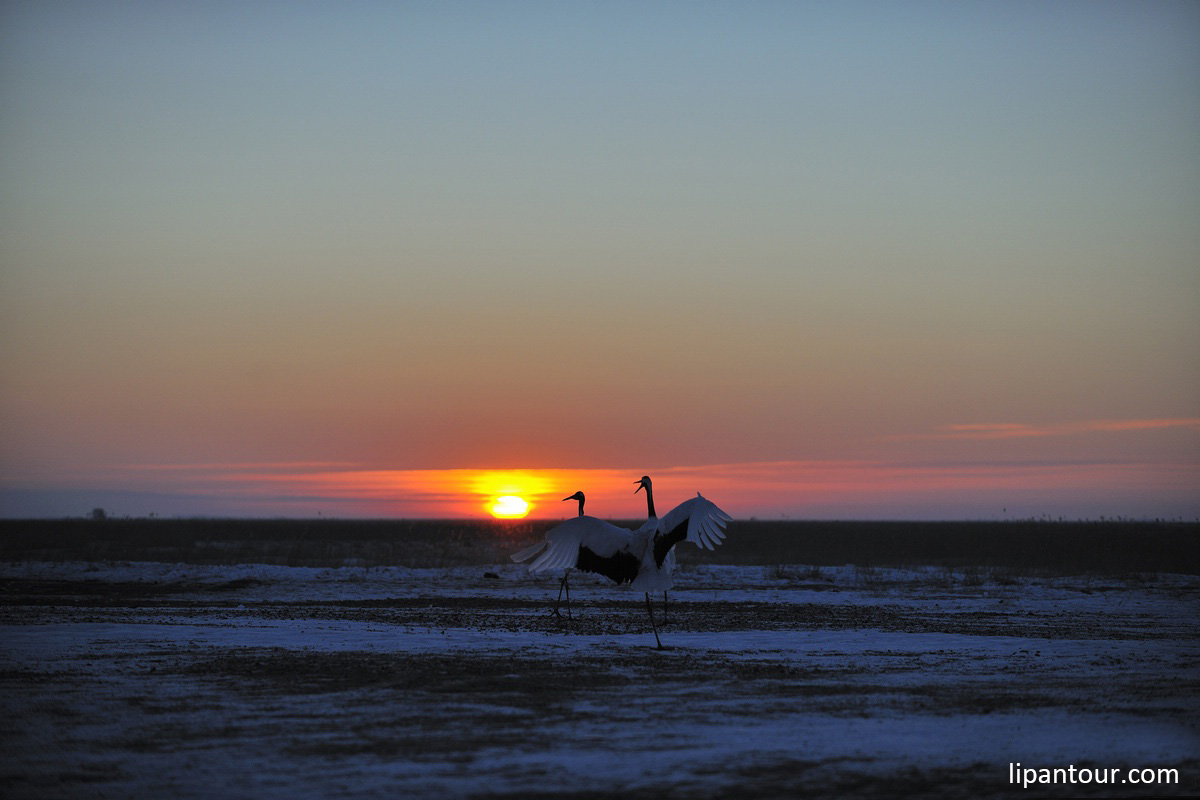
(1050, 548)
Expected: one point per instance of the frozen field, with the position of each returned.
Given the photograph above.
(152, 680)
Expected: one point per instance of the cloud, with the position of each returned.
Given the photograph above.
(1022, 430)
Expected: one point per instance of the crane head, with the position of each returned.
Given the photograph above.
(644, 483)
(577, 496)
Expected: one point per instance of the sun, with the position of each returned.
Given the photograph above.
(509, 506)
(510, 493)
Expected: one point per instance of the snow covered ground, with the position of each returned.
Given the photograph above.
(169, 680)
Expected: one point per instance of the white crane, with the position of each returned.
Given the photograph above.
(641, 558)
(564, 584)
(651, 525)
(530, 552)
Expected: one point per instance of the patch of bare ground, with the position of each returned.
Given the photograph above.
(556, 685)
(22, 599)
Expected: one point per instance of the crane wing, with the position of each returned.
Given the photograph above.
(528, 552)
(698, 521)
(564, 541)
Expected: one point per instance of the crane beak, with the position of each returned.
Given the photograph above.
(640, 487)
(572, 497)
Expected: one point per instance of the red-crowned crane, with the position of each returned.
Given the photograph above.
(641, 558)
(651, 524)
(530, 552)
(564, 584)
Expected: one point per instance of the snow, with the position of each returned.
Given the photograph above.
(124, 699)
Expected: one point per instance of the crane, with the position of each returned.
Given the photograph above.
(641, 558)
(651, 524)
(564, 584)
(529, 552)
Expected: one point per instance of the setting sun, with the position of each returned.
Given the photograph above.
(509, 507)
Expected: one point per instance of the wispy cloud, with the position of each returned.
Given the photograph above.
(1021, 430)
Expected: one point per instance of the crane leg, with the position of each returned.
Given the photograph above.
(653, 627)
(563, 584)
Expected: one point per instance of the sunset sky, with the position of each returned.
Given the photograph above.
(828, 260)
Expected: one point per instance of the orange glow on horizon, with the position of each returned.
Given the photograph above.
(845, 488)
(452, 493)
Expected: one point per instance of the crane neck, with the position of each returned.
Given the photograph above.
(650, 503)
(581, 506)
